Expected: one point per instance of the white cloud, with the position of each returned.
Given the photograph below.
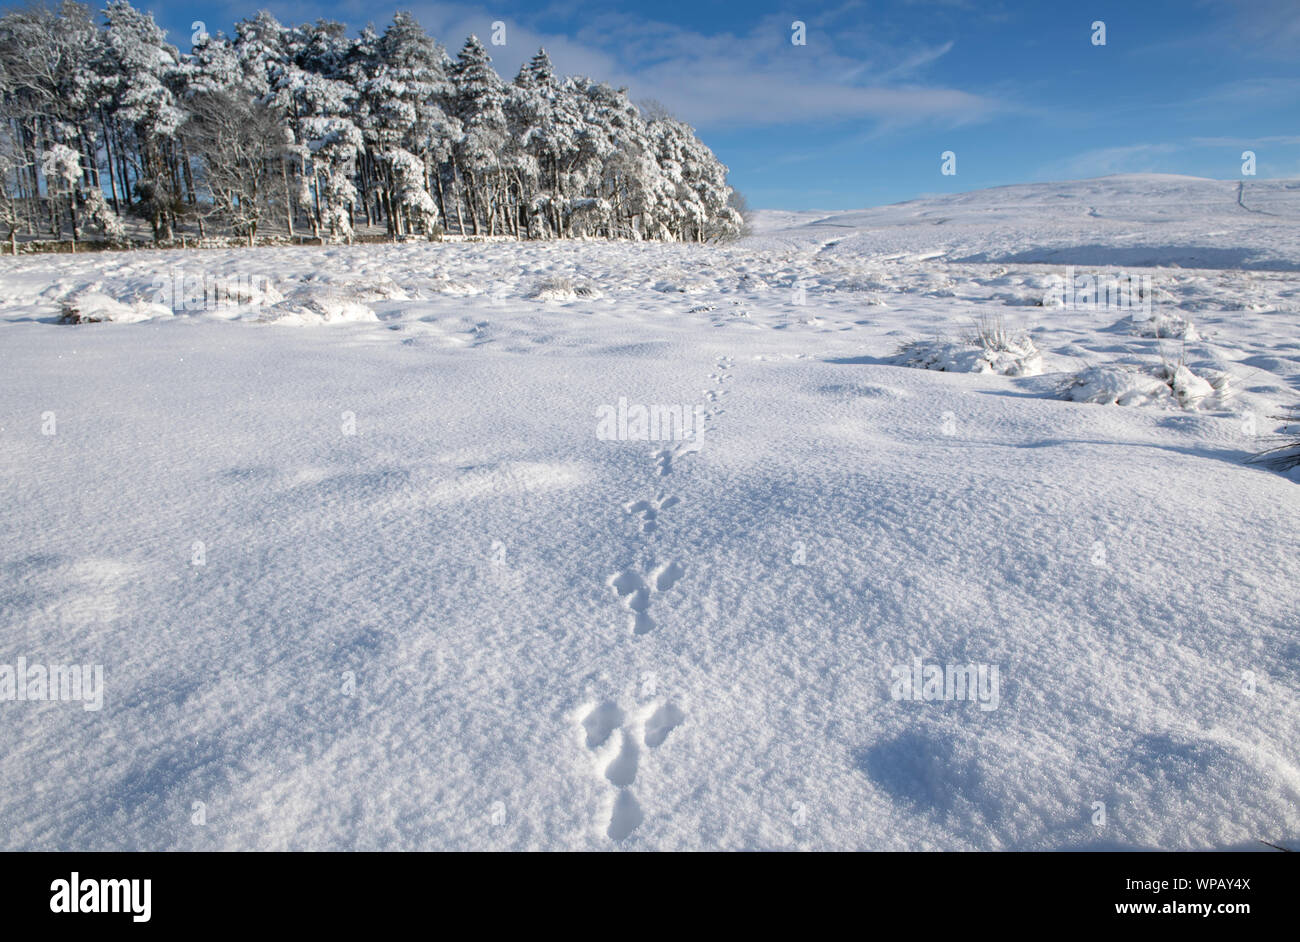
(1131, 158)
(754, 79)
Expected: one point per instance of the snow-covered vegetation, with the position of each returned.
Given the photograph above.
(1286, 455)
(1167, 382)
(305, 130)
(990, 347)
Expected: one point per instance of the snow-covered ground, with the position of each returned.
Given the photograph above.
(364, 568)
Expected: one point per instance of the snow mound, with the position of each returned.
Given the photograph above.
(376, 288)
(225, 296)
(1162, 326)
(310, 307)
(95, 307)
(509, 478)
(363, 286)
(253, 292)
(561, 289)
(1168, 384)
(1021, 299)
(442, 283)
(677, 286)
(1015, 357)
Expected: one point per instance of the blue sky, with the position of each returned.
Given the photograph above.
(861, 114)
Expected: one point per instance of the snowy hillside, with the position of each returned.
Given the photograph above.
(1132, 219)
(365, 568)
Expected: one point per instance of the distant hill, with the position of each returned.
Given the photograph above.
(1124, 220)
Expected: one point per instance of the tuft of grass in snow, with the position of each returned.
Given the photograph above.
(1286, 455)
(991, 347)
(318, 305)
(1163, 327)
(560, 288)
(991, 333)
(1171, 380)
(1189, 388)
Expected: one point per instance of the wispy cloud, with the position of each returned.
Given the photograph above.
(1196, 156)
(1287, 139)
(1267, 27)
(753, 78)
(1100, 161)
(1255, 92)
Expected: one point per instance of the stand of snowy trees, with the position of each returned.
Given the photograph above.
(306, 131)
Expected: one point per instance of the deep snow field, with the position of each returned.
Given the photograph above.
(433, 609)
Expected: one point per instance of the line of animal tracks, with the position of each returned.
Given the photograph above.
(616, 738)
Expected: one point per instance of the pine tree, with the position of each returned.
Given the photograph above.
(140, 63)
(407, 133)
(479, 104)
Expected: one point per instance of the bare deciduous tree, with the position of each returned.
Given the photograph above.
(242, 143)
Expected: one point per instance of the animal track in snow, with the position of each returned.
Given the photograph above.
(616, 749)
(665, 577)
(621, 770)
(662, 722)
(635, 590)
(600, 722)
(649, 510)
(625, 817)
(664, 456)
